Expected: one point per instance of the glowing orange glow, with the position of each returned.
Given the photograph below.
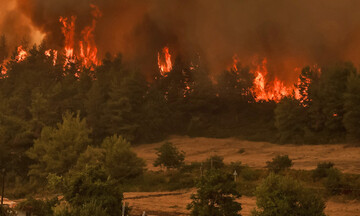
(269, 90)
(88, 49)
(21, 54)
(85, 50)
(264, 89)
(52, 54)
(164, 62)
(68, 30)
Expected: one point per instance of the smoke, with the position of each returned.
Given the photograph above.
(290, 34)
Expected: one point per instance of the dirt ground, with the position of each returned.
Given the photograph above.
(346, 158)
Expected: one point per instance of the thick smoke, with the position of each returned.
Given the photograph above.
(289, 34)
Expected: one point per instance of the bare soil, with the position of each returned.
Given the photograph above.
(306, 157)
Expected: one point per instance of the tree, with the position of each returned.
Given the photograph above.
(120, 162)
(214, 162)
(279, 163)
(290, 120)
(352, 108)
(58, 149)
(169, 156)
(216, 194)
(282, 196)
(92, 191)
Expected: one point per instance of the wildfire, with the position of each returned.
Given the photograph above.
(269, 90)
(87, 50)
(21, 54)
(264, 89)
(52, 54)
(164, 62)
(68, 30)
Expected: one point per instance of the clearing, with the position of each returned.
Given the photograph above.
(346, 158)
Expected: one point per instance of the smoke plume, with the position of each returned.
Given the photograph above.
(290, 34)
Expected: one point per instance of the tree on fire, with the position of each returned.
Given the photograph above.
(317, 117)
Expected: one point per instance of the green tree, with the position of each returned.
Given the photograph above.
(216, 194)
(57, 149)
(352, 108)
(169, 156)
(279, 163)
(282, 196)
(93, 191)
(120, 161)
(290, 120)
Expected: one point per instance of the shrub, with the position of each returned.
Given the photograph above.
(38, 207)
(92, 187)
(250, 174)
(279, 163)
(321, 170)
(283, 196)
(215, 162)
(216, 194)
(169, 156)
(334, 181)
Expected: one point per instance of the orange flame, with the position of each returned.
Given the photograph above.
(88, 49)
(52, 54)
(21, 54)
(263, 89)
(68, 30)
(269, 90)
(164, 62)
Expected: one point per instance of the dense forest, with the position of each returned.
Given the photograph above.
(116, 98)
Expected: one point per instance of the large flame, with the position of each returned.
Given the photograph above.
(87, 49)
(164, 62)
(264, 89)
(68, 30)
(21, 54)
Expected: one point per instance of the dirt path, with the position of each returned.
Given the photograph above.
(174, 204)
(347, 159)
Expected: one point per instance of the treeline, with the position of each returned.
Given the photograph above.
(119, 98)
(327, 110)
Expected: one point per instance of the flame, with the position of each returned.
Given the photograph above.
(269, 90)
(52, 54)
(68, 30)
(164, 62)
(21, 54)
(263, 89)
(88, 49)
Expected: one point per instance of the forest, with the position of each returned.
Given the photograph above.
(59, 117)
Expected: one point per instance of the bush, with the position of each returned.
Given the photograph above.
(216, 194)
(120, 161)
(283, 196)
(169, 156)
(93, 189)
(38, 207)
(334, 181)
(250, 174)
(214, 162)
(321, 170)
(279, 163)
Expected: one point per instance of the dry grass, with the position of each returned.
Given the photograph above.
(174, 204)
(306, 157)
(256, 154)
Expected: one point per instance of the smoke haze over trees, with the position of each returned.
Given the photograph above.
(291, 34)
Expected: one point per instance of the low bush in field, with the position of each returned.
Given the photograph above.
(279, 163)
